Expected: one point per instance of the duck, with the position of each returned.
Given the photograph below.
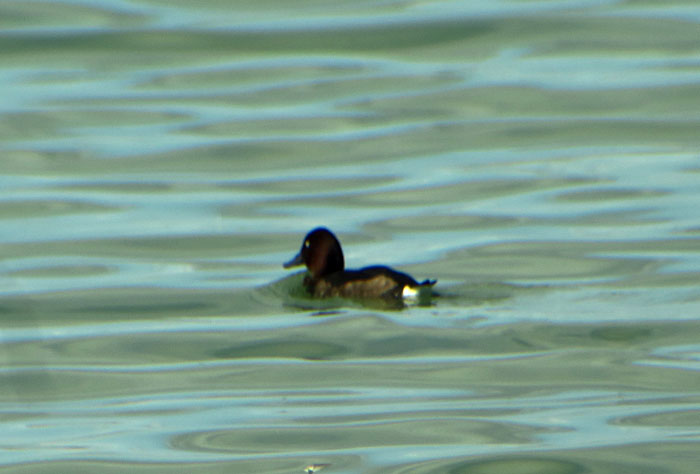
(327, 277)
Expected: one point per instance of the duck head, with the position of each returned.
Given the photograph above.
(320, 252)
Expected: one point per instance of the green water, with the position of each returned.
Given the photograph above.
(160, 160)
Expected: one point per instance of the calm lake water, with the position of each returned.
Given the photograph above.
(162, 158)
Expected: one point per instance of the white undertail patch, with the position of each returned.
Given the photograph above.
(409, 293)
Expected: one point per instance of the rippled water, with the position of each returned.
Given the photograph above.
(161, 159)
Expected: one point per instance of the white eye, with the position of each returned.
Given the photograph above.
(307, 244)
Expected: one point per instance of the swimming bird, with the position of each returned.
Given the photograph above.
(327, 276)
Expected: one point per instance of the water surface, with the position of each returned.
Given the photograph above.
(160, 160)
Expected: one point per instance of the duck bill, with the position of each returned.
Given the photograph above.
(295, 262)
